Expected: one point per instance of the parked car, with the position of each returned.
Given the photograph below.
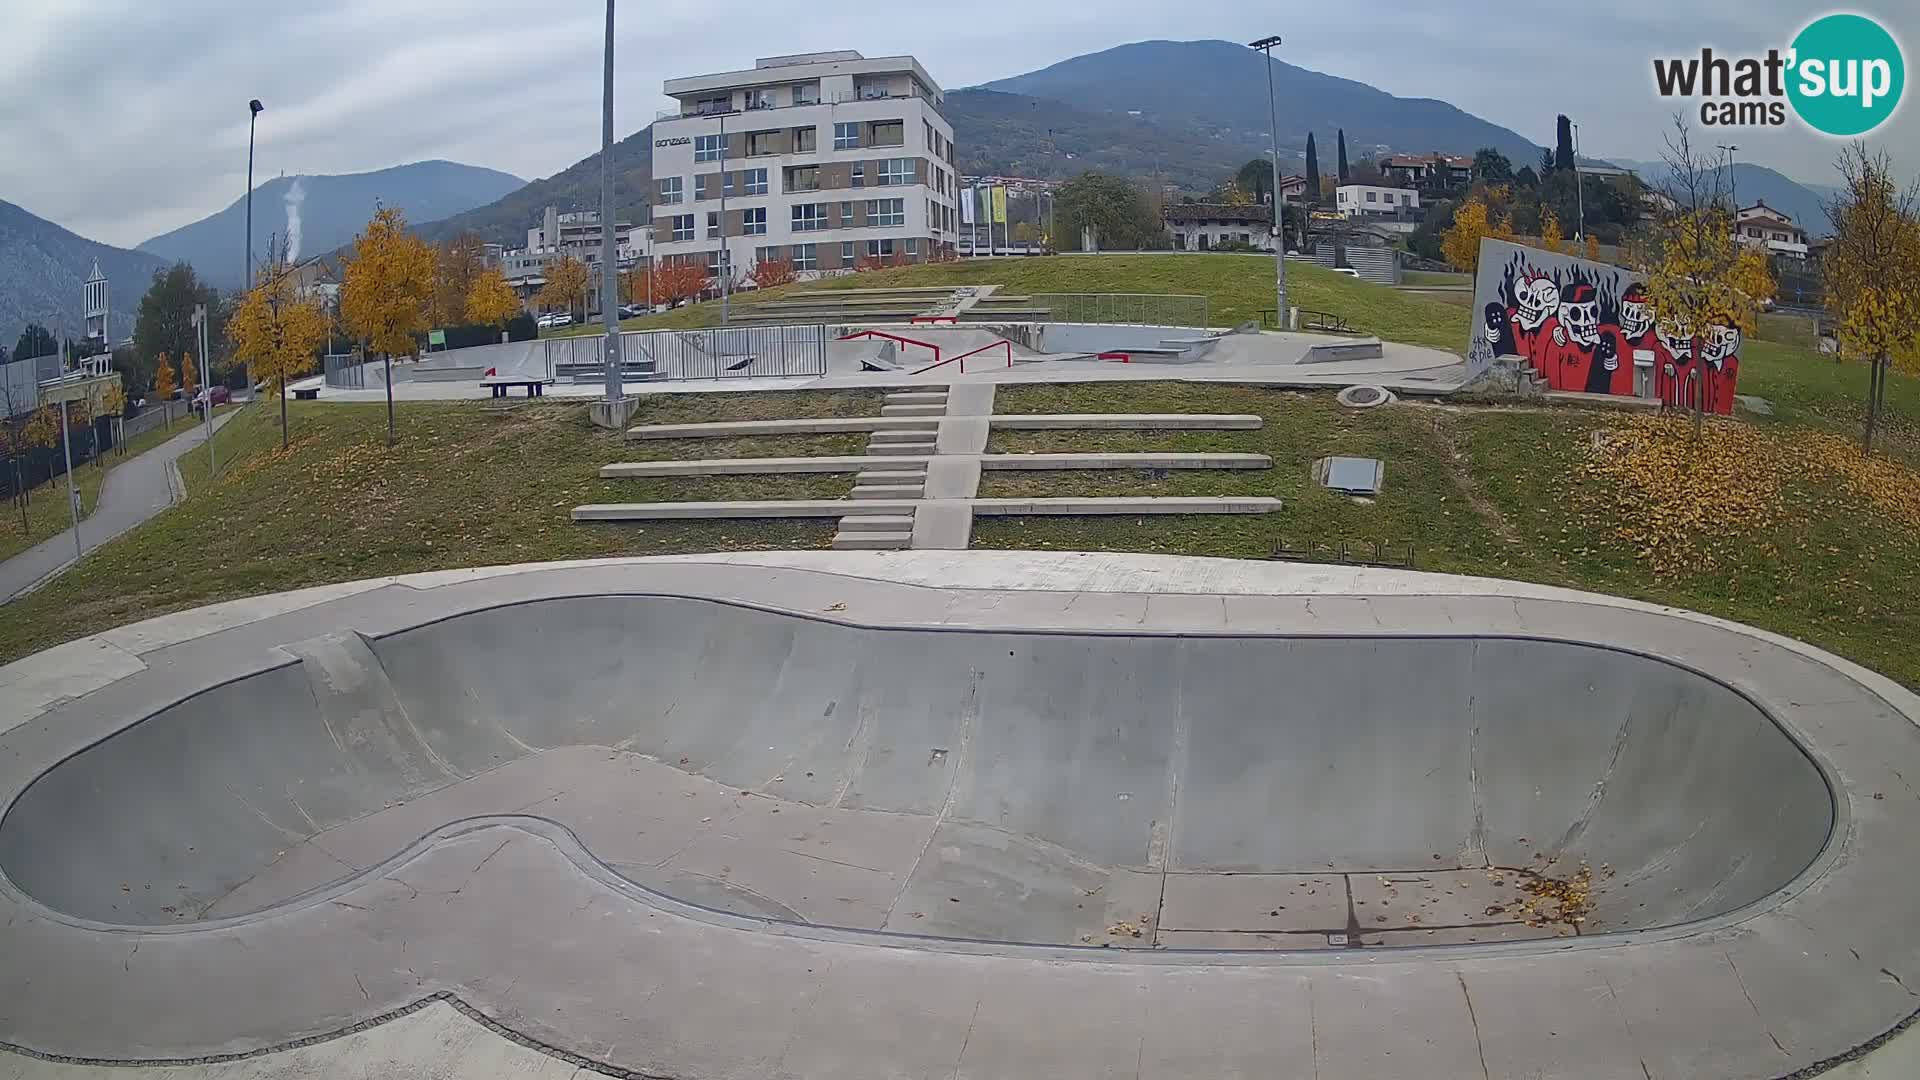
(555, 318)
(220, 395)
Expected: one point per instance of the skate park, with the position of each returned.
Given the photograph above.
(789, 813)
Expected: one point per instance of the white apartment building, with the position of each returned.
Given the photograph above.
(824, 159)
(1764, 227)
(574, 235)
(1354, 200)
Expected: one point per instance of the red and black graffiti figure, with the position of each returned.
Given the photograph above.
(1673, 365)
(1633, 339)
(1573, 354)
(1719, 365)
(1536, 302)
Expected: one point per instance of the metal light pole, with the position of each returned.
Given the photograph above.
(1579, 187)
(726, 286)
(254, 109)
(609, 249)
(1265, 45)
(1733, 183)
(73, 497)
(206, 380)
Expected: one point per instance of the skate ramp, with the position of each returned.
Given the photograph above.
(1026, 787)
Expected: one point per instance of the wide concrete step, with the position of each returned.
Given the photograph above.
(825, 425)
(890, 449)
(891, 476)
(824, 463)
(877, 523)
(1126, 421)
(1125, 505)
(916, 435)
(872, 541)
(745, 508)
(1150, 460)
(916, 397)
(914, 410)
(865, 492)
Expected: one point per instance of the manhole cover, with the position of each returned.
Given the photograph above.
(1364, 397)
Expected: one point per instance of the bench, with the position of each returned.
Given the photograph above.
(306, 393)
(535, 387)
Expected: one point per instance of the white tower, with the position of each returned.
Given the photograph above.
(93, 296)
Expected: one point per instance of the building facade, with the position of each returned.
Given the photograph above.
(829, 161)
(1776, 233)
(576, 235)
(1357, 200)
(1212, 226)
(1429, 171)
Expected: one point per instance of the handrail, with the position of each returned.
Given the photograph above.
(991, 344)
(896, 337)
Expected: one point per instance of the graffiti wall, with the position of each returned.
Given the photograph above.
(1588, 327)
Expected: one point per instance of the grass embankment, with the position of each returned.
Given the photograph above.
(465, 485)
(47, 514)
(1237, 288)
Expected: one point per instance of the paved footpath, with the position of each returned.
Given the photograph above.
(135, 490)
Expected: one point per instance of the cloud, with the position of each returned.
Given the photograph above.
(126, 118)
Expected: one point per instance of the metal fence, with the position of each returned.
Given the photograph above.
(345, 372)
(739, 352)
(1125, 309)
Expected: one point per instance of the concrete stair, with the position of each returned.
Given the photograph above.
(872, 541)
(913, 435)
(939, 409)
(915, 397)
(925, 446)
(881, 523)
(887, 491)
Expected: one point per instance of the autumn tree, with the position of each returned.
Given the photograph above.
(677, 283)
(458, 266)
(189, 377)
(491, 301)
(566, 287)
(1460, 244)
(768, 273)
(1872, 270)
(1698, 274)
(386, 290)
(1551, 237)
(1593, 248)
(277, 332)
(163, 387)
(636, 286)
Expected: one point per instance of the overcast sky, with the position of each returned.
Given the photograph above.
(125, 118)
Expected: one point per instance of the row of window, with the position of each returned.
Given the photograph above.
(847, 136)
(811, 217)
(807, 256)
(891, 172)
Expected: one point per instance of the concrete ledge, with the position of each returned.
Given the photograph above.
(1124, 505)
(1127, 421)
(825, 425)
(1621, 402)
(1333, 352)
(1040, 462)
(825, 463)
(769, 508)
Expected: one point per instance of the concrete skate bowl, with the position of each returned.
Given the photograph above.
(1044, 788)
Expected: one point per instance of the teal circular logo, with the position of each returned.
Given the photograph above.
(1847, 75)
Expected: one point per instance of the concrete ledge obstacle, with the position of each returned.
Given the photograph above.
(829, 425)
(767, 508)
(901, 465)
(1332, 351)
(825, 425)
(1125, 505)
(825, 463)
(1061, 462)
(1127, 421)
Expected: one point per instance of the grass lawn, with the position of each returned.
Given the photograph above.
(47, 513)
(1237, 288)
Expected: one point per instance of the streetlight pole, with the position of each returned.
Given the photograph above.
(726, 286)
(1579, 187)
(73, 496)
(609, 249)
(254, 109)
(1733, 182)
(1265, 45)
(206, 380)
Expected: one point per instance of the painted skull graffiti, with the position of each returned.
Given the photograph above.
(1719, 342)
(1580, 314)
(1636, 314)
(1677, 336)
(1539, 298)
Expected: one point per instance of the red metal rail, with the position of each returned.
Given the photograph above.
(896, 338)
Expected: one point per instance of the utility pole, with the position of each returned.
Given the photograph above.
(254, 108)
(1266, 46)
(206, 378)
(73, 496)
(725, 285)
(1579, 187)
(609, 248)
(1733, 183)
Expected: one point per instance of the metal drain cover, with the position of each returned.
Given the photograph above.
(1351, 475)
(1364, 397)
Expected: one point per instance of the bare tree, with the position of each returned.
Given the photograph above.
(1872, 267)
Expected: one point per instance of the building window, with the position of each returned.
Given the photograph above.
(886, 212)
(846, 136)
(706, 147)
(889, 133)
(755, 181)
(933, 141)
(709, 105)
(806, 94)
(713, 262)
(913, 245)
(760, 99)
(703, 187)
(803, 140)
(846, 214)
(846, 253)
(713, 224)
(802, 178)
(806, 257)
(762, 143)
(767, 255)
(880, 249)
(810, 217)
(859, 174)
(1370, 196)
(683, 227)
(672, 190)
(753, 222)
(895, 171)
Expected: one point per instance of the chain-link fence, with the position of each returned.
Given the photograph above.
(1125, 309)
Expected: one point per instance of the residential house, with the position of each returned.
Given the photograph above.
(1762, 226)
(1429, 172)
(1210, 226)
(1357, 200)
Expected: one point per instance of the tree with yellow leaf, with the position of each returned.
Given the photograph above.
(189, 378)
(1698, 274)
(1593, 248)
(1550, 236)
(566, 285)
(1461, 242)
(1872, 270)
(278, 332)
(163, 387)
(458, 264)
(491, 301)
(387, 290)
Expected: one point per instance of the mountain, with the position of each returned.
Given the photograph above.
(324, 212)
(997, 133)
(42, 266)
(1804, 203)
(506, 218)
(1218, 90)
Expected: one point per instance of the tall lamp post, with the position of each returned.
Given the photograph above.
(1579, 188)
(253, 112)
(1733, 183)
(609, 248)
(1266, 45)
